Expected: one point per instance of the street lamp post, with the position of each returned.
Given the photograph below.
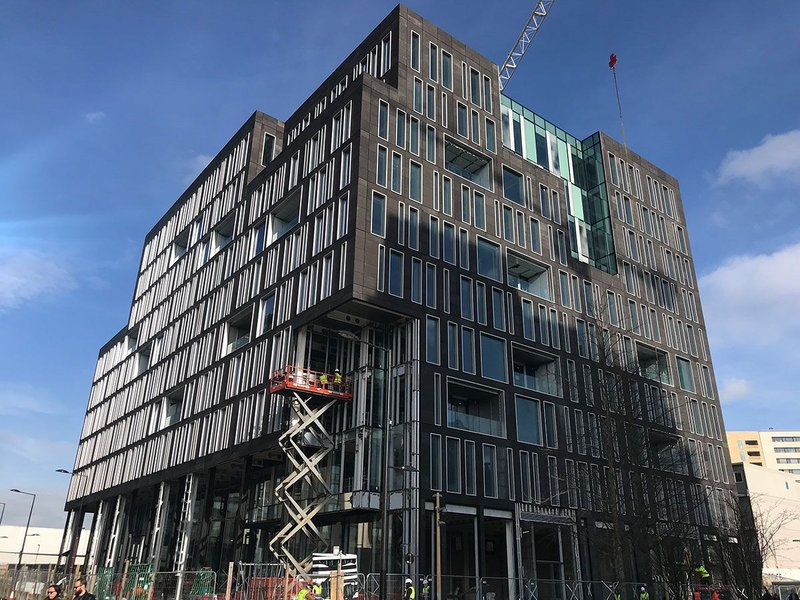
(73, 546)
(22, 550)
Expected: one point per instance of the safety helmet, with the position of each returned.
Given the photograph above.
(336, 370)
(408, 580)
(641, 589)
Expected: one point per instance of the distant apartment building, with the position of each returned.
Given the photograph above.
(513, 312)
(775, 501)
(771, 449)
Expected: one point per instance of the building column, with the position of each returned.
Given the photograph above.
(159, 521)
(184, 537)
(117, 531)
(93, 548)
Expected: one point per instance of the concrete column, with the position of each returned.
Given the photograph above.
(117, 531)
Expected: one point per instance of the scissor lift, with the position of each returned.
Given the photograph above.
(306, 443)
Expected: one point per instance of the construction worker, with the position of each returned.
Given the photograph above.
(317, 587)
(304, 593)
(426, 588)
(643, 593)
(337, 380)
(323, 380)
(409, 593)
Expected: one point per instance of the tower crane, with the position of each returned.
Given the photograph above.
(535, 21)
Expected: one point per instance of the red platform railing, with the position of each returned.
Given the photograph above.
(321, 383)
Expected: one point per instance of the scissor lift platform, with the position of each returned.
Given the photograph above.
(299, 379)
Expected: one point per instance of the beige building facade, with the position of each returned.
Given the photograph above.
(779, 450)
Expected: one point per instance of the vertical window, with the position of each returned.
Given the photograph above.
(466, 299)
(489, 471)
(430, 102)
(413, 136)
(400, 129)
(415, 50)
(383, 120)
(493, 358)
(480, 211)
(447, 70)
(461, 119)
(452, 345)
(432, 340)
(396, 273)
(386, 54)
(513, 186)
(447, 196)
(475, 87)
(466, 204)
(416, 280)
(382, 168)
(430, 144)
(498, 310)
(397, 173)
(378, 214)
(449, 243)
(433, 239)
(536, 240)
(413, 228)
(267, 312)
(469, 467)
(417, 101)
(491, 142)
(480, 293)
(415, 181)
(527, 320)
(453, 465)
(430, 285)
(463, 250)
(268, 149)
(436, 461)
(476, 127)
(468, 350)
(433, 62)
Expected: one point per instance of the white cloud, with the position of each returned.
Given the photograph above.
(751, 300)
(24, 399)
(26, 275)
(195, 165)
(733, 389)
(775, 157)
(93, 117)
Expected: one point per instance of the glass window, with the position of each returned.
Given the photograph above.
(489, 471)
(413, 228)
(461, 119)
(396, 273)
(433, 62)
(468, 350)
(453, 465)
(430, 102)
(480, 211)
(383, 120)
(433, 240)
(413, 135)
(491, 141)
(267, 312)
(529, 420)
(430, 144)
(432, 340)
(430, 285)
(550, 435)
(378, 214)
(447, 70)
(415, 181)
(480, 293)
(436, 462)
(466, 298)
(469, 467)
(527, 320)
(536, 241)
(452, 345)
(475, 87)
(383, 159)
(489, 259)
(528, 276)
(498, 309)
(449, 243)
(397, 173)
(400, 129)
(493, 358)
(416, 280)
(447, 196)
(268, 150)
(487, 94)
(513, 186)
(685, 374)
(415, 50)
(417, 103)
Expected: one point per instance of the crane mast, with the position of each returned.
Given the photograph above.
(535, 21)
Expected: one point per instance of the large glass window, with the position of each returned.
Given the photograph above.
(537, 371)
(475, 408)
(468, 164)
(493, 358)
(513, 186)
(529, 276)
(489, 259)
(529, 420)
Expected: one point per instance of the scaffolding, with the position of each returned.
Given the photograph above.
(305, 443)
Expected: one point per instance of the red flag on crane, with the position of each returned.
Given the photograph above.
(612, 61)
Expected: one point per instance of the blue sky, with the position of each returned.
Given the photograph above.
(109, 109)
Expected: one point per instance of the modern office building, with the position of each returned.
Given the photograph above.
(779, 450)
(525, 377)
